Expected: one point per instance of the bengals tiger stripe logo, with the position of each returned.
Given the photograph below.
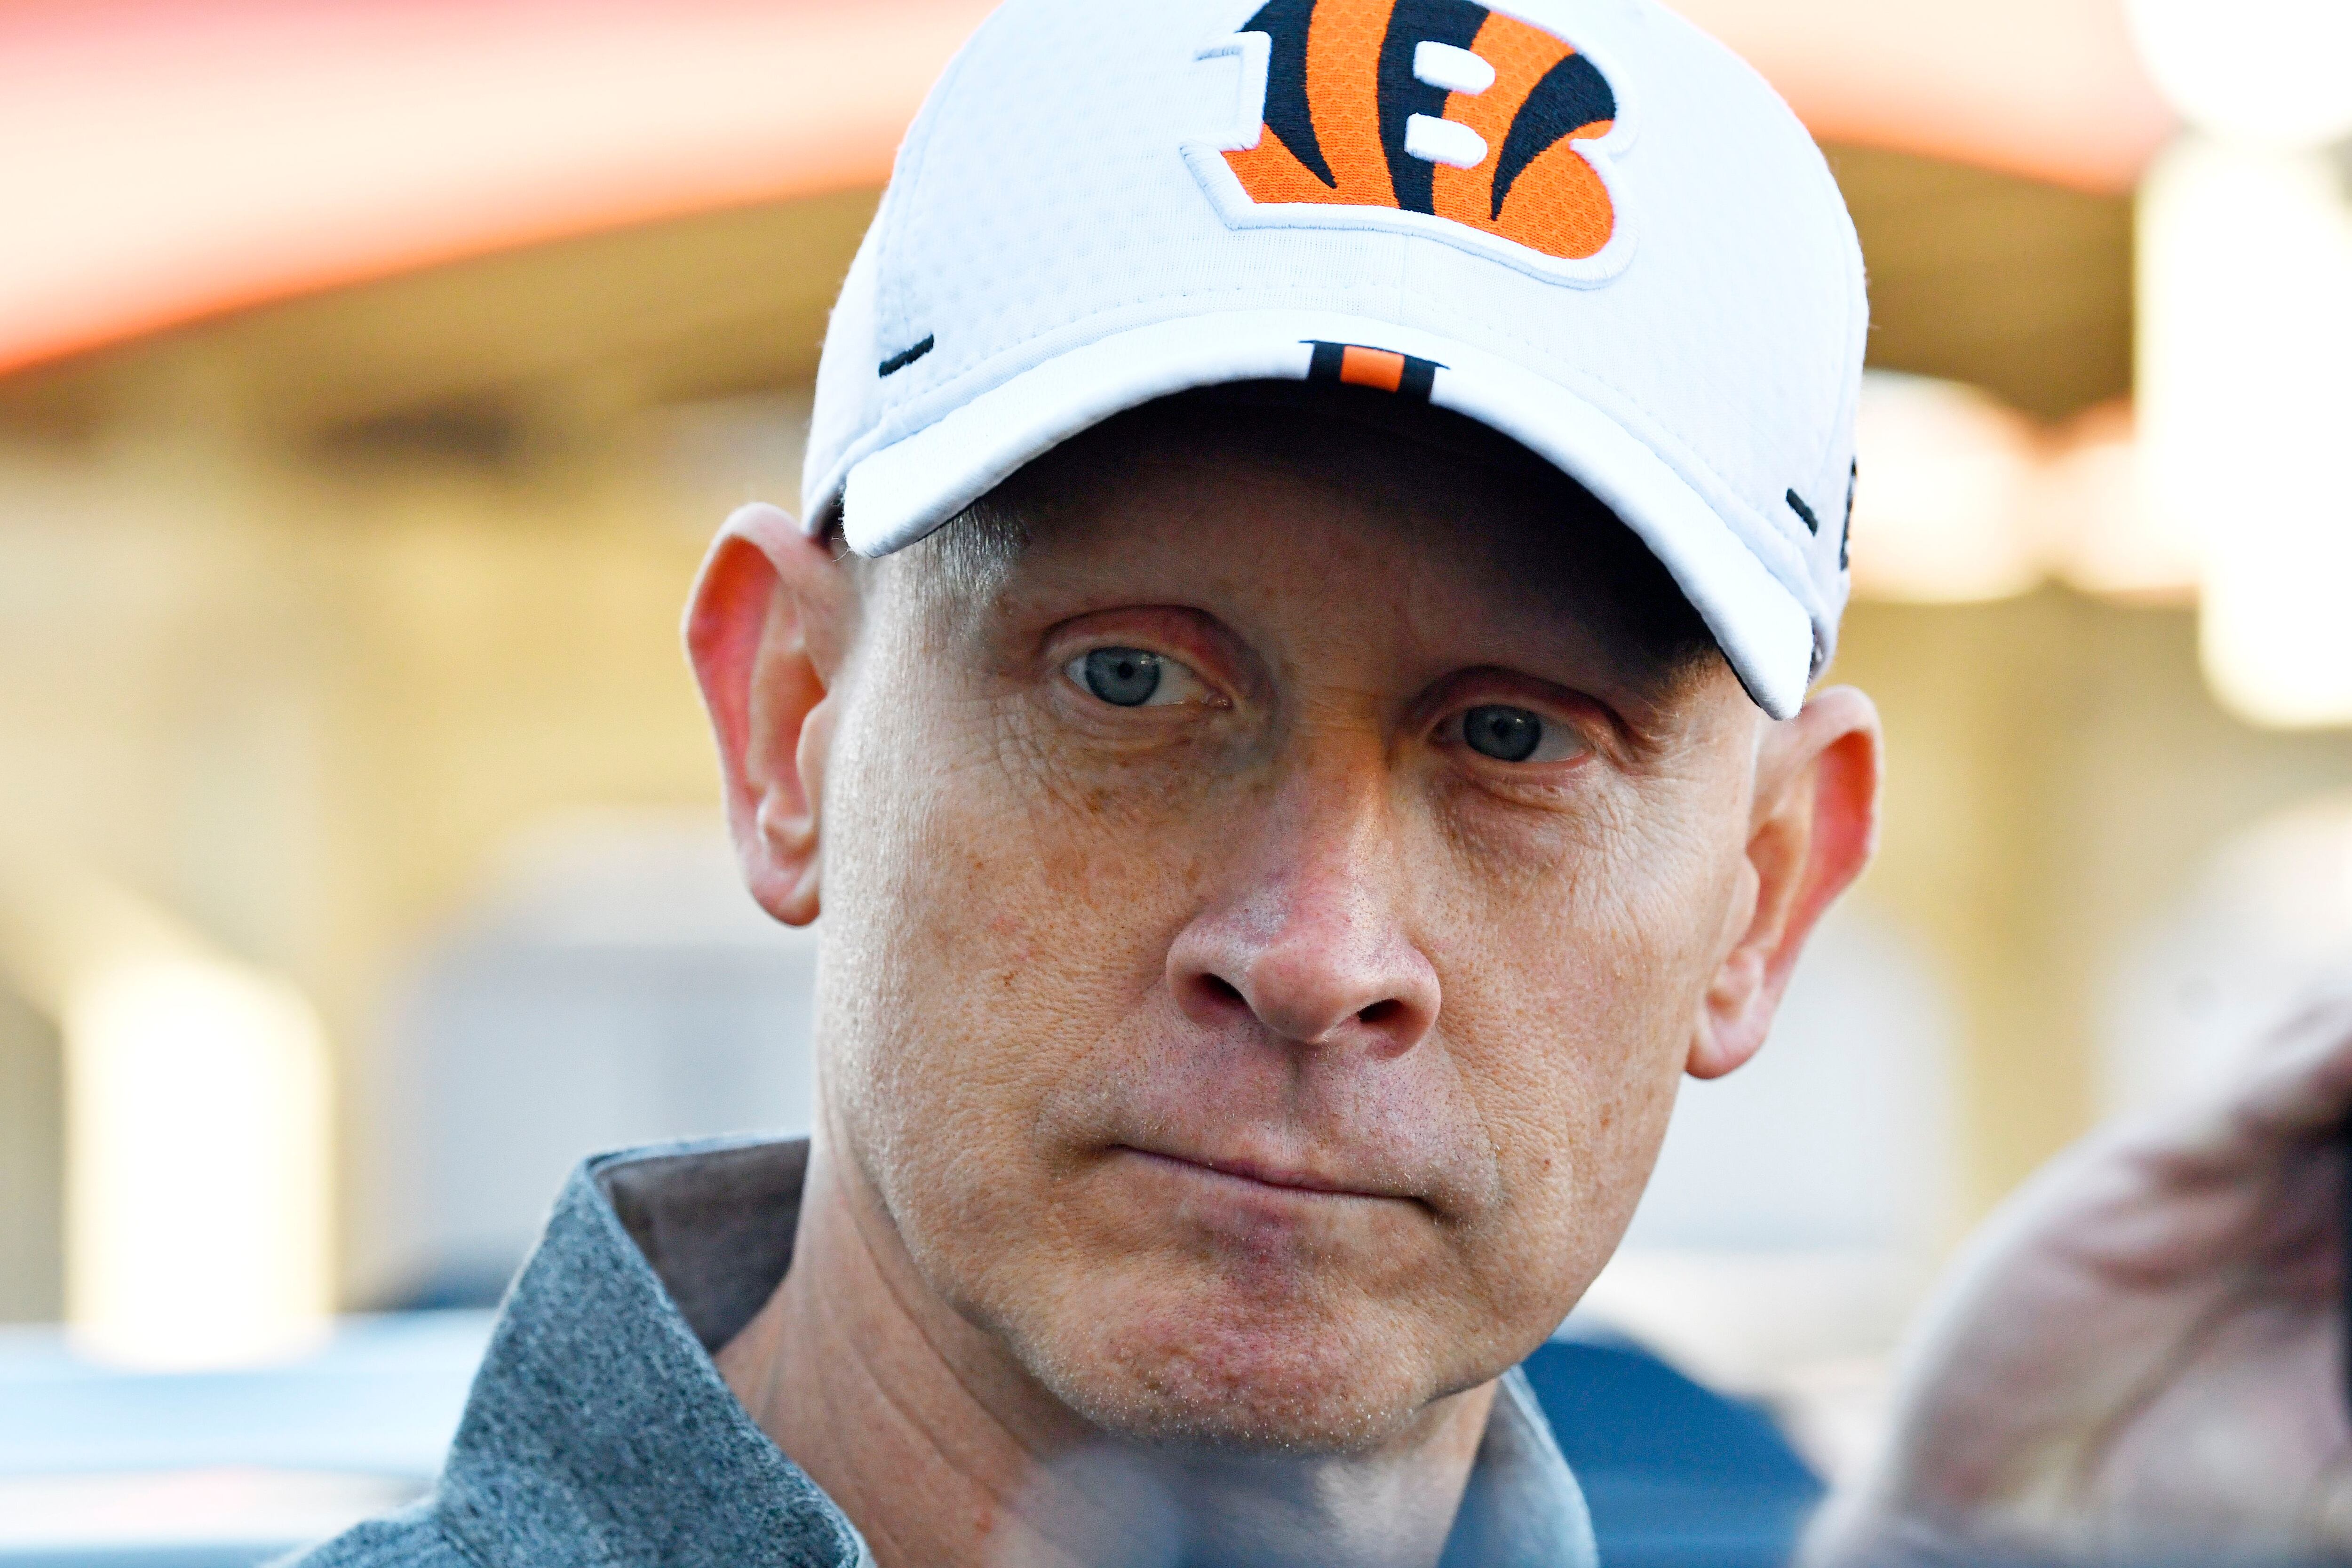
(1432, 106)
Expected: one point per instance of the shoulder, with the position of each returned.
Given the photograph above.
(412, 1538)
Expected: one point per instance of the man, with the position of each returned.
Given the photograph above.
(1292, 701)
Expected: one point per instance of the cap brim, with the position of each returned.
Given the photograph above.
(893, 494)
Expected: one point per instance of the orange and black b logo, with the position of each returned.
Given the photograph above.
(1432, 106)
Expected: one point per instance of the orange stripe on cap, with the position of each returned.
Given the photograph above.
(1380, 370)
(1371, 367)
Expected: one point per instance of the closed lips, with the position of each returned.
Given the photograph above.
(1269, 1176)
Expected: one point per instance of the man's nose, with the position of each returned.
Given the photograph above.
(1309, 933)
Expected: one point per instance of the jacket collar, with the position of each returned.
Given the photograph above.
(598, 1430)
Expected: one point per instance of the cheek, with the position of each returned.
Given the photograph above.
(990, 931)
(1572, 987)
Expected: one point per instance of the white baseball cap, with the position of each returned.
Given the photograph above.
(1583, 223)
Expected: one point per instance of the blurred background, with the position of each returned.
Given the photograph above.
(372, 375)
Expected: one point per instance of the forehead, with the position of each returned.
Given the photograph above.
(1392, 500)
(1415, 467)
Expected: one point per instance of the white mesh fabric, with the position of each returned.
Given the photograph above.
(1043, 202)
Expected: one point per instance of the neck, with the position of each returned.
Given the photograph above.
(943, 1450)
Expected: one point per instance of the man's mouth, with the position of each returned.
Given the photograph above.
(1295, 1180)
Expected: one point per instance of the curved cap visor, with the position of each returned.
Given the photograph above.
(898, 493)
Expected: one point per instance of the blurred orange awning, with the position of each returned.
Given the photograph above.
(168, 160)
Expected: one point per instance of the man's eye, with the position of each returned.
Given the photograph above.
(1518, 735)
(1131, 678)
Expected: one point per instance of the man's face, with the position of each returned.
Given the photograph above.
(1266, 916)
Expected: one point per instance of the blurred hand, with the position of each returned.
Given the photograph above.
(2140, 1358)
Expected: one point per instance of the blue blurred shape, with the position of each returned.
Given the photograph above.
(381, 1398)
(1675, 1472)
(101, 1467)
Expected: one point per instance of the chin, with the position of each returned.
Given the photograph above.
(1214, 1368)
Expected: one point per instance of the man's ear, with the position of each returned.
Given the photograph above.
(768, 627)
(1813, 826)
